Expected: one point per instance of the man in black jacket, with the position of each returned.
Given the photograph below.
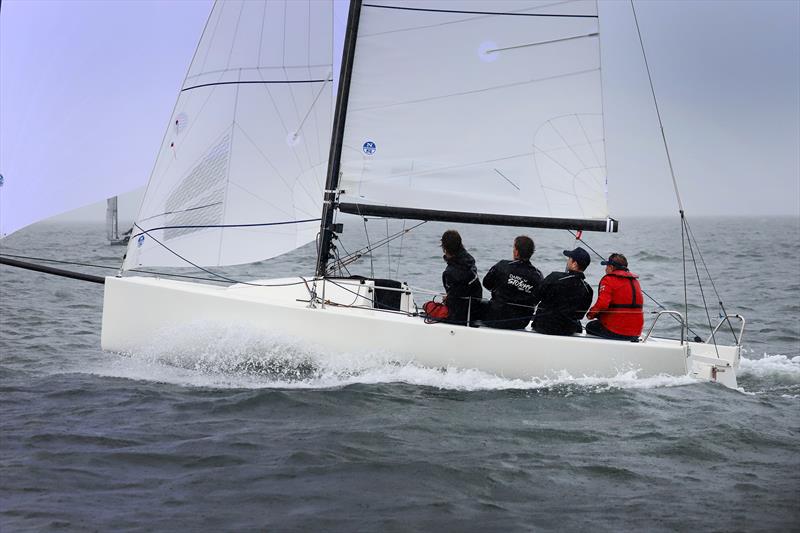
(513, 285)
(460, 280)
(564, 297)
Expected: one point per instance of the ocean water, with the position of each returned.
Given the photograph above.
(221, 429)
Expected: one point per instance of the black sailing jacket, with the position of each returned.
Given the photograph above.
(564, 297)
(460, 280)
(513, 285)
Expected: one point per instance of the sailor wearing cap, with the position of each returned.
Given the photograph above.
(619, 303)
(564, 297)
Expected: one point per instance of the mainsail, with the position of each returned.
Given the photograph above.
(474, 111)
(240, 173)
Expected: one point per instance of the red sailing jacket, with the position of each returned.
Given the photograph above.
(619, 303)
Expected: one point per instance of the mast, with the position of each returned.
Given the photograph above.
(334, 157)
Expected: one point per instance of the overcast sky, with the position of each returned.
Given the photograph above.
(89, 86)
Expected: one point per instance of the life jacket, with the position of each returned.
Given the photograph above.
(620, 303)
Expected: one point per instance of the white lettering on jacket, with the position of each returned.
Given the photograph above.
(519, 283)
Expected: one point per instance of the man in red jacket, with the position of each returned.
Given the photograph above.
(619, 303)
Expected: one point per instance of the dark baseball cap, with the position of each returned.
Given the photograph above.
(617, 261)
(580, 256)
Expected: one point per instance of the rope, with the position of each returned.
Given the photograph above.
(400, 253)
(369, 246)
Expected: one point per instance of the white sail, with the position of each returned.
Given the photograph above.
(240, 173)
(477, 107)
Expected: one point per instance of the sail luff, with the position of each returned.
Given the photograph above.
(337, 138)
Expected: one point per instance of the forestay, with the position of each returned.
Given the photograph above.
(240, 171)
(486, 111)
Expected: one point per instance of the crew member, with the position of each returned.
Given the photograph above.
(564, 297)
(513, 285)
(619, 303)
(460, 280)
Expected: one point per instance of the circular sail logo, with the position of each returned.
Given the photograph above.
(369, 148)
(140, 240)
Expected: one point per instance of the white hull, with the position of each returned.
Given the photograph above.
(136, 308)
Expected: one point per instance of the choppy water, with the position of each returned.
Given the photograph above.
(221, 429)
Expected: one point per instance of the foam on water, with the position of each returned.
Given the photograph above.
(774, 366)
(212, 355)
(772, 374)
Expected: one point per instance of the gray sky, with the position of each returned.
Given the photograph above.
(726, 73)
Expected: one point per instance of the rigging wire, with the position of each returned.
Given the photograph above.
(703, 295)
(659, 304)
(369, 247)
(713, 285)
(388, 250)
(658, 111)
(683, 262)
(400, 252)
(686, 235)
(225, 278)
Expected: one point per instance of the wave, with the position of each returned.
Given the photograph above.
(204, 355)
(655, 257)
(776, 367)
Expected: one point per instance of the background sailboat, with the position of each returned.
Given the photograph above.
(112, 223)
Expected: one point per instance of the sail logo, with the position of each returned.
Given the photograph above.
(369, 148)
(140, 241)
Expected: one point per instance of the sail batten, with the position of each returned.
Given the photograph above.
(472, 12)
(258, 82)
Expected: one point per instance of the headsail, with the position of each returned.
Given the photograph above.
(241, 169)
(477, 111)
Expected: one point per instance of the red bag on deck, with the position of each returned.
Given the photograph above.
(435, 311)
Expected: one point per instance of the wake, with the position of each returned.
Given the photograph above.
(210, 355)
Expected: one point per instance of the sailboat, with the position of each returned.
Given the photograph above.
(112, 223)
(459, 111)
